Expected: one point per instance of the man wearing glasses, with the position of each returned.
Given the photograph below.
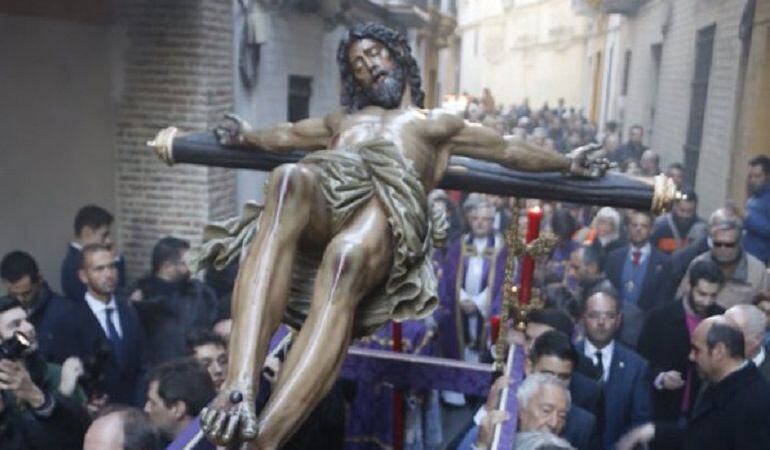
(745, 276)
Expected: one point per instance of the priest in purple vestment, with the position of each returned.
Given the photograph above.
(470, 288)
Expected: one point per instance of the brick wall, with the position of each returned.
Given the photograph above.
(177, 71)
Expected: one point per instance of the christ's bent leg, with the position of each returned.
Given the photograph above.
(355, 261)
(260, 297)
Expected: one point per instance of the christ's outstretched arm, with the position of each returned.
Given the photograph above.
(478, 141)
(306, 134)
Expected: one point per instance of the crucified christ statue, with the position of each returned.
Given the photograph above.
(343, 243)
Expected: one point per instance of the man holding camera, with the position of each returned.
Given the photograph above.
(39, 405)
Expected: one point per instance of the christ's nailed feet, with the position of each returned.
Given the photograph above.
(230, 417)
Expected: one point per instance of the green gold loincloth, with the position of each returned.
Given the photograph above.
(350, 178)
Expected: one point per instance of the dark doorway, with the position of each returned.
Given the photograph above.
(300, 90)
(704, 46)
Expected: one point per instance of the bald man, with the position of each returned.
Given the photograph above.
(733, 412)
(752, 322)
(122, 428)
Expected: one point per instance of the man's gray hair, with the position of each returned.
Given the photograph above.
(475, 201)
(611, 214)
(539, 440)
(534, 383)
(725, 219)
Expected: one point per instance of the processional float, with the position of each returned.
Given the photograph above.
(423, 372)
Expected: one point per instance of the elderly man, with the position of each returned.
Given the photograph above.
(471, 286)
(649, 164)
(543, 404)
(607, 229)
(553, 353)
(752, 322)
(732, 413)
(745, 275)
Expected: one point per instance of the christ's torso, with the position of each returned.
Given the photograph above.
(421, 136)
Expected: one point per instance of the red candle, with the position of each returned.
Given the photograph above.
(534, 215)
(398, 395)
(495, 325)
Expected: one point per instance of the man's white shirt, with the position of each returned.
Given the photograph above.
(590, 352)
(99, 310)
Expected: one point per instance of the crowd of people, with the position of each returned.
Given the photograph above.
(655, 329)
(651, 329)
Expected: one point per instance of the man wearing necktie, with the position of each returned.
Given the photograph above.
(104, 330)
(638, 271)
(624, 375)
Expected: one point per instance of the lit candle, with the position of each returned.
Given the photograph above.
(534, 215)
(495, 325)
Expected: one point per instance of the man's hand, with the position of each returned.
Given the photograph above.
(136, 296)
(637, 436)
(230, 132)
(487, 427)
(71, 371)
(671, 380)
(586, 164)
(493, 397)
(15, 377)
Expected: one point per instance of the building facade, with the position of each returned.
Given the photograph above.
(694, 74)
(522, 48)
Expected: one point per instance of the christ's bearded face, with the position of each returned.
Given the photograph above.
(380, 78)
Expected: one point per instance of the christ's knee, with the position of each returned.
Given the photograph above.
(345, 265)
(289, 191)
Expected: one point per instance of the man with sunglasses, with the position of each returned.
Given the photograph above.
(745, 276)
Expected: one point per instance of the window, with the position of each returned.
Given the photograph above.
(626, 73)
(300, 90)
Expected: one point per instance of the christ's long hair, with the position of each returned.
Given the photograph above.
(398, 47)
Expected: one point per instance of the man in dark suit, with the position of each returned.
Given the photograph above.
(752, 322)
(583, 389)
(553, 353)
(624, 374)
(103, 330)
(734, 410)
(637, 269)
(665, 342)
(92, 226)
